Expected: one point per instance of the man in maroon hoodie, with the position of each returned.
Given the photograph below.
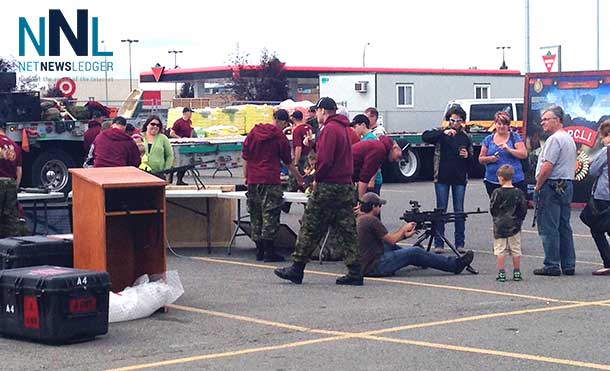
(369, 156)
(113, 147)
(94, 128)
(332, 200)
(264, 148)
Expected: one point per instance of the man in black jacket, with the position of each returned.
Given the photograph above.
(453, 155)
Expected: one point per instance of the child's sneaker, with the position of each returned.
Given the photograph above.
(501, 276)
(517, 276)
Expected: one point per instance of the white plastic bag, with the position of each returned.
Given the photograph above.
(145, 297)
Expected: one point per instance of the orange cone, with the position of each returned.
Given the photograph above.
(25, 142)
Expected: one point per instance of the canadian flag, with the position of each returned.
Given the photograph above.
(549, 60)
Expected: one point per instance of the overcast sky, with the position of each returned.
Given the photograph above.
(418, 34)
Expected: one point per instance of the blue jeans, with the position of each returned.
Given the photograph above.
(554, 226)
(395, 258)
(458, 192)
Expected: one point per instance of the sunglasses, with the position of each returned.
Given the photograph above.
(454, 121)
(155, 124)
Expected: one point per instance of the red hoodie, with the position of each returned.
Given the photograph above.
(334, 152)
(92, 132)
(369, 156)
(263, 149)
(113, 147)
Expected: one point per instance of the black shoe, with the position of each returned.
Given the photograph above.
(547, 272)
(353, 277)
(293, 273)
(181, 183)
(568, 272)
(270, 255)
(260, 251)
(463, 261)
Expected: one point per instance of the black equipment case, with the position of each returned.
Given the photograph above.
(53, 304)
(31, 251)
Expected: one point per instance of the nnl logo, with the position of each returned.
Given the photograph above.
(57, 24)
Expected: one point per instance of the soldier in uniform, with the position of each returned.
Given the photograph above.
(264, 148)
(10, 178)
(332, 200)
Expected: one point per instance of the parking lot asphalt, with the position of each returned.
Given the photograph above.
(236, 314)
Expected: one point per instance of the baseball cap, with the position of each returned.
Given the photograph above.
(187, 109)
(281, 115)
(119, 120)
(360, 119)
(327, 103)
(372, 198)
(297, 115)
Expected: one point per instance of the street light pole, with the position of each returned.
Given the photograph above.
(130, 41)
(175, 67)
(364, 54)
(503, 66)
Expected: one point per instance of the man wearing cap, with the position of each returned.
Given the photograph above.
(113, 147)
(368, 157)
(381, 257)
(263, 150)
(361, 125)
(93, 129)
(332, 200)
(182, 128)
(300, 131)
(10, 178)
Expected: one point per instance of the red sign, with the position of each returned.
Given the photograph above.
(83, 305)
(66, 86)
(582, 134)
(31, 318)
(548, 60)
(157, 72)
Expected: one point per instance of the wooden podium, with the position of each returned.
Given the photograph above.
(119, 223)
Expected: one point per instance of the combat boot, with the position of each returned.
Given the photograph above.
(293, 273)
(353, 276)
(260, 251)
(270, 255)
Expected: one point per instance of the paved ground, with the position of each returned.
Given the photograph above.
(235, 314)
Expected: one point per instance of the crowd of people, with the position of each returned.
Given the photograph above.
(339, 162)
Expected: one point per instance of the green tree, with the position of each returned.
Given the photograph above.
(265, 82)
(187, 90)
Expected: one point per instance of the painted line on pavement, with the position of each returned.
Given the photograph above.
(401, 282)
(227, 354)
(573, 234)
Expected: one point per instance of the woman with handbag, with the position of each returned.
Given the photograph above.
(601, 198)
(503, 147)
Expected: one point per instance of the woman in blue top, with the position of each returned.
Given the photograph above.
(503, 147)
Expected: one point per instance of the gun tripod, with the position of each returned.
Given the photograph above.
(429, 234)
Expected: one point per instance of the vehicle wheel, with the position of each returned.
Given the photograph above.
(405, 170)
(50, 169)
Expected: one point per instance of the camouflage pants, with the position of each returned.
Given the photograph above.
(9, 215)
(330, 205)
(264, 206)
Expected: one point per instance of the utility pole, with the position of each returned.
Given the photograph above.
(175, 67)
(527, 36)
(130, 41)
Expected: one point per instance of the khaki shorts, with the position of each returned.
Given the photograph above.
(508, 246)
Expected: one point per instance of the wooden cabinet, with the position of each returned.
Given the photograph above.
(119, 223)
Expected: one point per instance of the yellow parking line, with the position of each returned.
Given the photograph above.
(492, 352)
(573, 234)
(228, 354)
(401, 282)
(255, 320)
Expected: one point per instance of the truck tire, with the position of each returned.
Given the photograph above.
(405, 170)
(50, 169)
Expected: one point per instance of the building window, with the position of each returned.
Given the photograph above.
(404, 95)
(482, 91)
